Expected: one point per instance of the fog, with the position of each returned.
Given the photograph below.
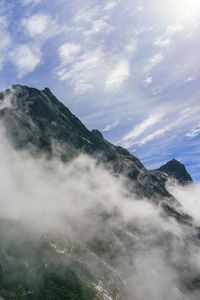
(153, 257)
(189, 197)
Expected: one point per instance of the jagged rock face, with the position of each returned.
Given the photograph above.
(177, 171)
(38, 118)
(45, 120)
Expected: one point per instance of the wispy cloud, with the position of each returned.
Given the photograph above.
(93, 20)
(165, 40)
(89, 64)
(80, 74)
(129, 139)
(86, 69)
(5, 40)
(98, 26)
(111, 126)
(41, 25)
(177, 121)
(148, 81)
(154, 61)
(154, 135)
(194, 132)
(118, 76)
(131, 46)
(191, 78)
(25, 58)
(68, 52)
(110, 5)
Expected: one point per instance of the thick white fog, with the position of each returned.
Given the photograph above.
(189, 197)
(47, 197)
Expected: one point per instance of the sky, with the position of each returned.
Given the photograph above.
(128, 68)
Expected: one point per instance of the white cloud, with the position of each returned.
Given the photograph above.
(110, 5)
(111, 126)
(154, 135)
(41, 25)
(25, 58)
(165, 40)
(162, 42)
(85, 69)
(93, 20)
(189, 197)
(174, 29)
(148, 81)
(182, 121)
(88, 14)
(178, 27)
(191, 78)
(36, 24)
(90, 64)
(82, 71)
(143, 29)
(131, 46)
(5, 40)
(98, 26)
(68, 52)
(191, 111)
(194, 132)
(159, 132)
(118, 75)
(140, 9)
(156, 59)
(153, 62)
(128, 140)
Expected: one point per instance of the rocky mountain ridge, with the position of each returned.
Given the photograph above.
(37, 118)
(110, 255)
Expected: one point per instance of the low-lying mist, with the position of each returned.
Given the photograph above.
(189, 197)
(154, 257)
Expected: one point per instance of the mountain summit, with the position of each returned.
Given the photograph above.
(36, 119)
(176, 170)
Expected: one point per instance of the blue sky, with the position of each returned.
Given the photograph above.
(129, 68)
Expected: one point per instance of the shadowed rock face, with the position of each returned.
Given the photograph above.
(37, 120)
(176, 170)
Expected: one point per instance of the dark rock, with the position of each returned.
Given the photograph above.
(176, 170)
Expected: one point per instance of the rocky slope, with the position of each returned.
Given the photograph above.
(101, 264)
(37, 118)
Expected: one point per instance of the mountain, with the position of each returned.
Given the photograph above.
(100, 266)
(175, 170)
(37, 118)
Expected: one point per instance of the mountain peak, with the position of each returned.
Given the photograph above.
(37, 120)
(176, 170)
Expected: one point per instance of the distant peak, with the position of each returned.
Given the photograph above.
(177, 170)
(174, 161)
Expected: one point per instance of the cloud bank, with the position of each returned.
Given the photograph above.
(81, 203)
